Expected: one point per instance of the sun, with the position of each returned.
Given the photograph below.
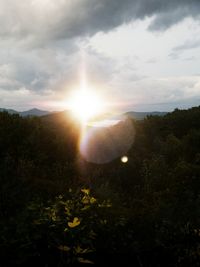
(85, 104)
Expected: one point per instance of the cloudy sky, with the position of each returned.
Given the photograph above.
(141, 54)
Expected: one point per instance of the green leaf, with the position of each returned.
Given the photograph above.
(85, 191)
(82, 260)
(92, 200)
(75, 222)
(64, 248)
(85, 207)
(85, 200)
(80, 250)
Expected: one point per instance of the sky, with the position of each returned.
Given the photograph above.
(141, 55)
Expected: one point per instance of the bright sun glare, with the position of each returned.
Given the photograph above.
(85, 104)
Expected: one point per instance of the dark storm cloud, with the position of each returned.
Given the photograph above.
(39, 21)
(94, 16)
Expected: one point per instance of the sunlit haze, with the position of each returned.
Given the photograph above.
(85, 104)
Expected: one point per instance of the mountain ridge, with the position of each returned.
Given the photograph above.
(138, 115)
(31, 112)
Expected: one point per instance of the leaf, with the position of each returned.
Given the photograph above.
(85, 191)
(85, 207)
(67, 211)
(93, 200)
(75, 222)
(53, 217)
(80, 250)
(103, 221)
(92, 234)
(64, 248)
(82, 260)
(85, 200)
(37, 222)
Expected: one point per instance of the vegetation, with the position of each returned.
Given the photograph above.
(58, 210)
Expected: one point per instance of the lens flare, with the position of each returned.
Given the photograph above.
(103, 144)
(85, 104)
(124, 159)
(103, 136)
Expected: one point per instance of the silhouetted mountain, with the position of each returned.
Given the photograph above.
(10, 111)
(39, 112)
(31, 112)
(34, 112)
(141, 115)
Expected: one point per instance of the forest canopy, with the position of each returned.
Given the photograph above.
(56, 209)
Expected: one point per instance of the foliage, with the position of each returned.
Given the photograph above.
(72, 221)
(49, 217)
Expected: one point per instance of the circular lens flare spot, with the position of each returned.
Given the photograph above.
(124, 159)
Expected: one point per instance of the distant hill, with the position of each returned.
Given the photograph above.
(10, 111)
(34, 112)
(38, 112)
(31, 112)
(141, 115)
